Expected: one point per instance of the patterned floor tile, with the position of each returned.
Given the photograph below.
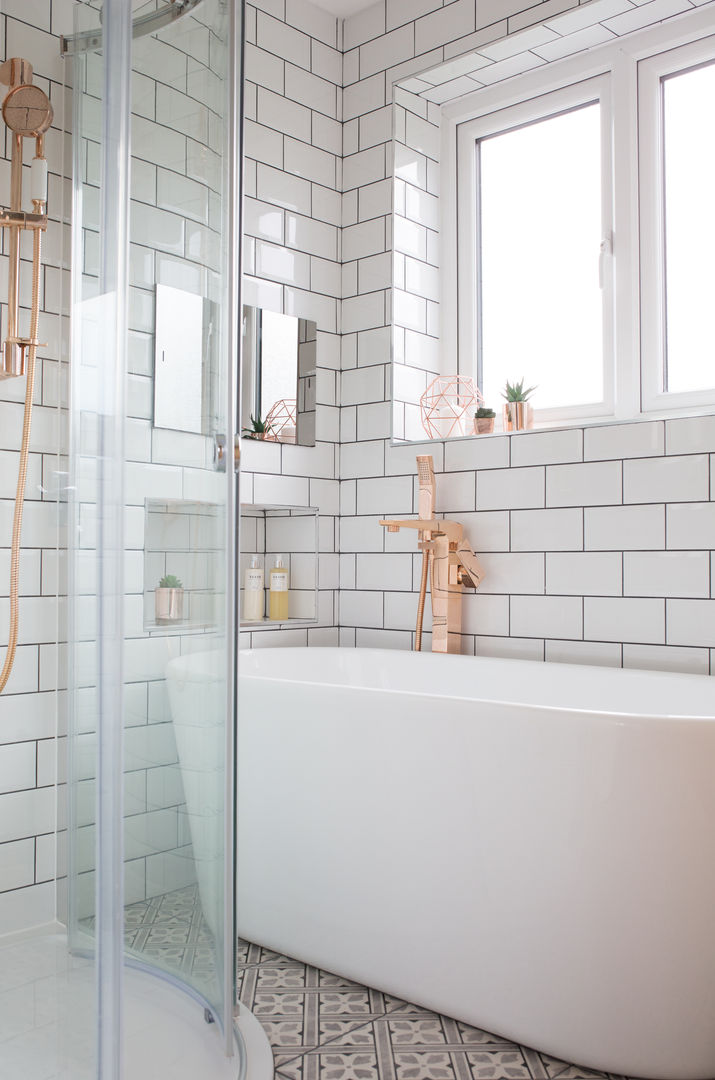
(323, 1026)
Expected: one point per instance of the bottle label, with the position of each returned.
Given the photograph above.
(254, 579)
(279, 581)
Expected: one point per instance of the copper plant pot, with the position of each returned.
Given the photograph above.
(483, 425)
(517, 416)
(169, 605)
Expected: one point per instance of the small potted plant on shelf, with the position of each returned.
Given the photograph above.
(517, 411)
(169, 600)
(484, 420)
(259, 429)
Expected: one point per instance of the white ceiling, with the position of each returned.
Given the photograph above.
(342, 8)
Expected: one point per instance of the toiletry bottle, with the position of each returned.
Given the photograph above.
(253, 597)
(278, 594)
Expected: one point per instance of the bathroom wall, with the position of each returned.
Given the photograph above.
(292, 219)
(33, 704)
(596, 542)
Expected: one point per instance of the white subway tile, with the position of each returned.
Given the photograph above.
(364, 25)
(311, 91)
(624, 619)
(598, 653)
(666, 573)
(387, 572)
(584, 573)
(667, 658)
(279, 113)
(484, 452)
(547, 530)
(690, 435)
(667, 479)
(363, 312)
(364, 96)
(17, 766)
(27, 813)
(17, 865)
(511, 648)
(485, 614)
(546, 616)
(691, 622)
(362, 608)
(313, 20)
(638, 439)
(283, 40)
(362, 385)
(512, 573)
(365, 167)
(624, 528)
(264, 69)
(365, 238)
(548, 447)
(649, 13)
(587, 484)
(386, 50)
(690, 525)
(386, 496)
(499, 489)
(33, 906)
(486, 530)
(447, 24)
(455, 492)
(282, 189)
(281, 264)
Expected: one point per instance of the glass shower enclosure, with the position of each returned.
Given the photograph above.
(152, 512)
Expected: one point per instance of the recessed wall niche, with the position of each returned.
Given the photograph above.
(291, 531)
(183, 541)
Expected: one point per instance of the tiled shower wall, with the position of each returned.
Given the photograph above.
(292, 258)
(596, 542)
(30, 706)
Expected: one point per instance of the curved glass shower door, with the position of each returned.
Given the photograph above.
(153, 512)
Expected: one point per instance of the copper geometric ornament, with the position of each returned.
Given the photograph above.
(282, 418)
(448, 406)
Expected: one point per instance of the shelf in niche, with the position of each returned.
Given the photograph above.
(185, 538)
(292, 531)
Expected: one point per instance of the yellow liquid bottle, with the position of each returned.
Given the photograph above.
(278, 591)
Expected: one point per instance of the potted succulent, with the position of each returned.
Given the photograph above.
(517, 411)
(484, 420)
(169, 600)
(259, 429)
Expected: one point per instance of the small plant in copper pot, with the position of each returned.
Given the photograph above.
(517, 411)
(484, 420)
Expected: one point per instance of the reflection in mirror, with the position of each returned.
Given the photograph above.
(182, 361)
(279, 373)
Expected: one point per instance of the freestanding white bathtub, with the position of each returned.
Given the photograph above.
(526, 847)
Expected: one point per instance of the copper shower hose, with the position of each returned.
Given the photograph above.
(426, 559)
(22, 475)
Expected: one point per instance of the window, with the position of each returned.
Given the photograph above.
(677, 92)
(584, 232)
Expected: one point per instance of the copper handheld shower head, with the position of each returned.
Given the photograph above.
(27, 110)
(425, 475)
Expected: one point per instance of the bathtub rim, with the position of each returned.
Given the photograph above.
(502, 702)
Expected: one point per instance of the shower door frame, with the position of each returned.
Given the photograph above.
(115, 42)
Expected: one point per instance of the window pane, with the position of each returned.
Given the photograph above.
(540, 238)
(689, 169)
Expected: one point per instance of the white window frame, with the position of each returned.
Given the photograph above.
(594, 90)
(619, 64)
(652, 232)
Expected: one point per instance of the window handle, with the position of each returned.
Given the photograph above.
(605, 250)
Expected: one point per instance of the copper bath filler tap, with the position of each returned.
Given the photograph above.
(448, 558)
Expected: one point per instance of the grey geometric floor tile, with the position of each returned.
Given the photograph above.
(323, 1026)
